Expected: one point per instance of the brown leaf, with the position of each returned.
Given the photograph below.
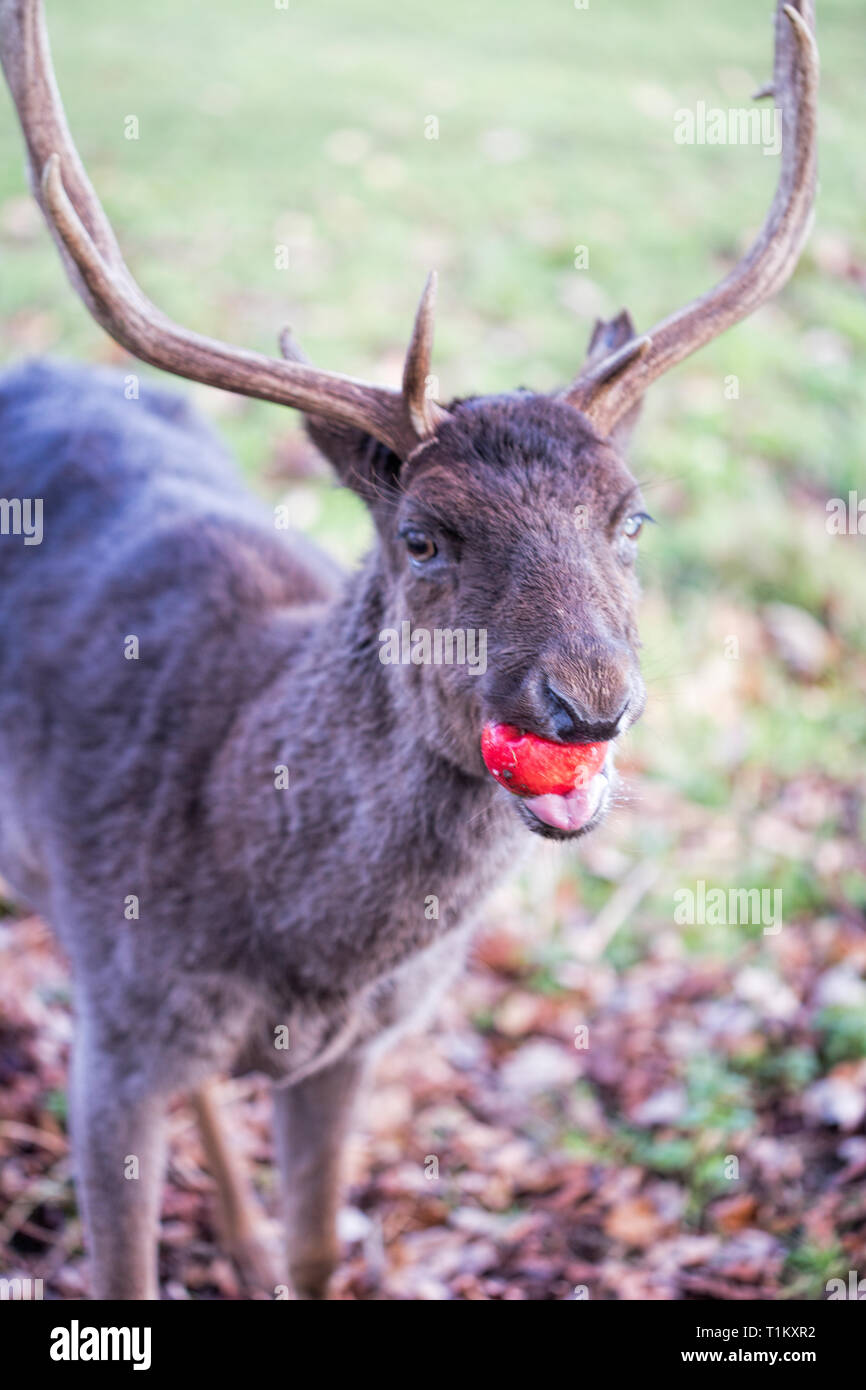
(635, 1222)
(733, 1213)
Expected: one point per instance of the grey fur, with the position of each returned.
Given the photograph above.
(306, 907)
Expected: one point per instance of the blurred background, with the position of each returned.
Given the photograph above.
(705, 1137)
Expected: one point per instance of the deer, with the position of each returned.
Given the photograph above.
(166, 651)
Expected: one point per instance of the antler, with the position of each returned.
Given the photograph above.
(611, 385)
(400, 419)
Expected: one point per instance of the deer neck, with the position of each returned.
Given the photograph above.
(326, 781)
(392, 713)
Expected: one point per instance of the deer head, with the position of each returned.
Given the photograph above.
(513, 514)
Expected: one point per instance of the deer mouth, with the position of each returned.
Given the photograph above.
(568, 815)
(562, 789)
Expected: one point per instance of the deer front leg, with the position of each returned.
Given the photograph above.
(119, 1147)
(311, 1119)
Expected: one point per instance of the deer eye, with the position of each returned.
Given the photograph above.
(419, 545)
(633, 525)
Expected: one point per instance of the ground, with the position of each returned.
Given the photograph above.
(615, 1099)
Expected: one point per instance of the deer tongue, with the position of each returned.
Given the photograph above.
(572, 811)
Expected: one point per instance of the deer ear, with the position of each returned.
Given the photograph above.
(607, 336)
(363, 464)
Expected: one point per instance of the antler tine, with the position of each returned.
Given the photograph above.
(97, 270)
(424, 412)
(605, 391)
(26, 59)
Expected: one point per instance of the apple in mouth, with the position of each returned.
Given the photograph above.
(561, 784)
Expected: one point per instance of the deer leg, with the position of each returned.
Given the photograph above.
(311, 1119)
(240, 1213)
(119, 1146)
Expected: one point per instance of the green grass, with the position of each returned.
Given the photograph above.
(306, 127)
(240, 110)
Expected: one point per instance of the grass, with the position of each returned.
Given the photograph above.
(261, 127)
(305, 127)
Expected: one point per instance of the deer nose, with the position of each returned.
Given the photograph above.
(572, 722)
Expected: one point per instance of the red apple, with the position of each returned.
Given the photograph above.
(531, 766)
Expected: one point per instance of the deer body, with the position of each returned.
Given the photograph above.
(262, 914)
(168, 659)
(154, 776)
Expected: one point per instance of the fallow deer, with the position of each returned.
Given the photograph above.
(263, 907)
